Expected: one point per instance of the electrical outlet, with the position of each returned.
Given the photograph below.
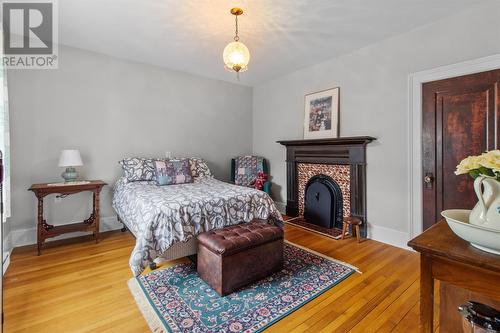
(57, 199)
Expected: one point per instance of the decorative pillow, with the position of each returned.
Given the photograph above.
(199, 167)
(168, 172)
(136, 168)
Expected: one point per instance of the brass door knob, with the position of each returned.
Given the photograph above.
(429, 180)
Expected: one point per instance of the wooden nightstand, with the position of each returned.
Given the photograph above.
(45, 230)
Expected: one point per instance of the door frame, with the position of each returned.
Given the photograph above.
(415, 81)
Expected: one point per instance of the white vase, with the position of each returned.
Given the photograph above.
(486, 213)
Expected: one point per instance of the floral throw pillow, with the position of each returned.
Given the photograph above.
(168, 172)
(199, 167)
(136, 168)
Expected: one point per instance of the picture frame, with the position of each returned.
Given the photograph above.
(321, 114)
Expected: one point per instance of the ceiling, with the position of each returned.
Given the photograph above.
(282, 35)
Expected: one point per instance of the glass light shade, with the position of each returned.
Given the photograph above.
(236, 57)
(70, 158)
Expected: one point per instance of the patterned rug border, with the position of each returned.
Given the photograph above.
(155, 320)
(149, 312)
(319, 254)
(290, 221)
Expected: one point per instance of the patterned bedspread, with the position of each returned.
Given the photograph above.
(160, 216)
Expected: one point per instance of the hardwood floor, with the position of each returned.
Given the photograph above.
(80, 286)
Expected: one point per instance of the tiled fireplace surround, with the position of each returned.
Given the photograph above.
(343, 159)
(340, 174)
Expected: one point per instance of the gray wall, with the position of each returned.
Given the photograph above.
(110, 109)
(373, 85)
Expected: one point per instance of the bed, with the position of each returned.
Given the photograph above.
(166, 219)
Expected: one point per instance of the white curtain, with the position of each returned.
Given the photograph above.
(5, 136)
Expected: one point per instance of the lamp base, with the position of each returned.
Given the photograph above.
(70, 175)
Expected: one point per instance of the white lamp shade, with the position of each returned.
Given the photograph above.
(70, 158)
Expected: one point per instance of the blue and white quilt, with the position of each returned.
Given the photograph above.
(160, 216)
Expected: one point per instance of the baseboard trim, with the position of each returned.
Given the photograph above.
(7, 243)
(23, 237)
(6, 261)
(389, 236)
(7, 250)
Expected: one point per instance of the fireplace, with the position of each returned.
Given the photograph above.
(343, 160)
(323, 202)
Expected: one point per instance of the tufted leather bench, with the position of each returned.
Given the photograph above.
(232, 257)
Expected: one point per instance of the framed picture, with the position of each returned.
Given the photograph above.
(321, 114)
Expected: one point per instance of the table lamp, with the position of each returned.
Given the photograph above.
(70, 158)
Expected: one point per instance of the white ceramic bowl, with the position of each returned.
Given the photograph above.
(485, 239)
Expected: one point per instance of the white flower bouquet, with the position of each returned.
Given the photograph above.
(487, 164)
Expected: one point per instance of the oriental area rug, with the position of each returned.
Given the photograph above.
(176, 299)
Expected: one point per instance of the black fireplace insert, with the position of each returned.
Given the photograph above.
(323, 203)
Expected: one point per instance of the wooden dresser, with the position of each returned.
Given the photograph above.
(465, 273)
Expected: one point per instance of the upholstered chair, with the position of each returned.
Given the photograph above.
(244, 170)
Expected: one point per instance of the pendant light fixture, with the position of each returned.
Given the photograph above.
(236, 55)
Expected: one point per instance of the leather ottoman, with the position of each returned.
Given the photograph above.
(232, 257)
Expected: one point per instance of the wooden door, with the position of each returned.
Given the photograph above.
(460, 118)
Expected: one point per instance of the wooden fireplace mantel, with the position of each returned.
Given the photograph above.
(351, 140)
(345, 151)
